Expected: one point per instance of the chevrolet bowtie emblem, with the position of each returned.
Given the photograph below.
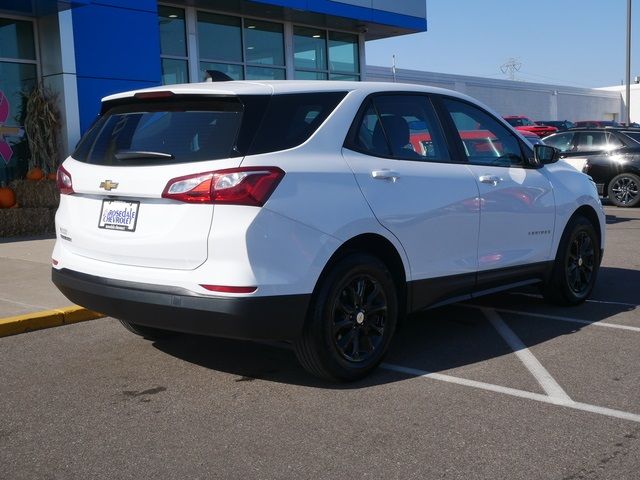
(108, 185)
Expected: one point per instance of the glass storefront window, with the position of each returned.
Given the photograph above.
(264, 42)
(343, 52)
(234, 71)
(302, 75)
(310, 49)
(17, 39)
(261, 73)
(172, 31)
(174, 71)
(219, 37)
(347, 78)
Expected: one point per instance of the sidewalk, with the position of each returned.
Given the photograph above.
(26, 292)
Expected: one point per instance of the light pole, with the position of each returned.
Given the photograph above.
(628, 80)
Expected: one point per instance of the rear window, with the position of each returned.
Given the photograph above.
(181, 129)
(634, 135)
(163, 132)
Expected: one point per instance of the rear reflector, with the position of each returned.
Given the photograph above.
(234, 186)
(226, 289)
(54, 261)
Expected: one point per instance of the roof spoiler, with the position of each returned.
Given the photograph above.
(217, 76)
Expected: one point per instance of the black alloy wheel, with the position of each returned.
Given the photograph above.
(576, 266)
(624, 190)
(580, 262)
(351, 319)
(359, 318)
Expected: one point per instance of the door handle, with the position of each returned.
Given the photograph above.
(385, 174)
(490, 179)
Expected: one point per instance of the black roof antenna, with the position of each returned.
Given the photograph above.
(217, 76)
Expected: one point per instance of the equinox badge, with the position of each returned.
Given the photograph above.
(108, 185)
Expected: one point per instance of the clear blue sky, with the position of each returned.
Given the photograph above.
(569, 42)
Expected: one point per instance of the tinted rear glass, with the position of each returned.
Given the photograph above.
(291, 119)
(191, 129)
(163, 132)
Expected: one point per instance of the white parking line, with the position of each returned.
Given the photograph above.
(541, 374)
(608, 302)
(609, 412)
(562, 319)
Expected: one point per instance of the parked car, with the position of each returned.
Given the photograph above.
(317, 213)
(596, 124)
(611, 157)
(561, 125)
(525, 125)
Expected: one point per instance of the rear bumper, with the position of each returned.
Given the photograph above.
(158, 306)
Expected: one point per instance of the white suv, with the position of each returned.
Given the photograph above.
(318, 213)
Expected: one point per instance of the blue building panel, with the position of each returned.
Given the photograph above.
(116, 49)
(91, 91)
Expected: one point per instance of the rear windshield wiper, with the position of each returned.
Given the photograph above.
(133, 154)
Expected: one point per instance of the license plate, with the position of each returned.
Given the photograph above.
(119, 215)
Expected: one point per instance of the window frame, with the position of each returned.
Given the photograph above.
(327, 71)
(186, 41)
(350, 139)
(454, 138)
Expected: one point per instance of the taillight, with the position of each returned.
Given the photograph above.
(64, 182)
(234, 186)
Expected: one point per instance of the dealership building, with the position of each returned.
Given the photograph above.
(83, 50)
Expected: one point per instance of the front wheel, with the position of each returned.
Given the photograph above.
(624, 190)
(576, 265)
(351, 320)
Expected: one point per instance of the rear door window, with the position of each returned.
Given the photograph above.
(591, 142)
(400, 126)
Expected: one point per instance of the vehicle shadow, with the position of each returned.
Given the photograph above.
(435, 340)
(615, 219)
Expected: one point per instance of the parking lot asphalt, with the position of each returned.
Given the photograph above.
(504, 387)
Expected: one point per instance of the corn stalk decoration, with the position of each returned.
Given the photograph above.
(42, 126)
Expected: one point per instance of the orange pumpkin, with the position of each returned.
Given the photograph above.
(52, 176)
(7, 197)
(35, 174)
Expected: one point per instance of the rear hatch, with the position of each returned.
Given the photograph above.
(121, 167)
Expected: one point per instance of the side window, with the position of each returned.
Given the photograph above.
(562, 141)
(401, 126)
(486, 141)
(613, 142)
(591, 141)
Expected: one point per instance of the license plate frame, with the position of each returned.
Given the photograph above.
(113, 224)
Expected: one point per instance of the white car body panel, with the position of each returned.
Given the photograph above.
(322, 202)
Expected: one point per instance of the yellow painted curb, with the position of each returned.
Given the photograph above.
(45, 319)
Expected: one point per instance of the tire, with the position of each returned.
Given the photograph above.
(576, 266)
(149, 333)
(351, 320)
(624, 190)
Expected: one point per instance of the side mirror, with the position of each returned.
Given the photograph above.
(545, 154)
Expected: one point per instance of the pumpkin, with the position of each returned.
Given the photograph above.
(35, 174)
(52, 176)
(7, 197)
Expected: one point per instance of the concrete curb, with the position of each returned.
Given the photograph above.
(45, 319)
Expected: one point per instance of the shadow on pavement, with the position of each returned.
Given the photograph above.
(434, 340)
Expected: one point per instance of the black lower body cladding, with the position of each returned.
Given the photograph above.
(156, 306)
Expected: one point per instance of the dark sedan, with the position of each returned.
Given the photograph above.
(612, 159)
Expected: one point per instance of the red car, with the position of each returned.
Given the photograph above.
(524, 124)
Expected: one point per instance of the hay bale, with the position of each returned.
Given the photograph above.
(18, 222)
(36, 194)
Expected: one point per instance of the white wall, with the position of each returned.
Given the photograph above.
(635, 99)
(535, 100)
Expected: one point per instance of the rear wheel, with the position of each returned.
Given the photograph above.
(624, 190)
(149, 333)
(351, 320)
(576, 265)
